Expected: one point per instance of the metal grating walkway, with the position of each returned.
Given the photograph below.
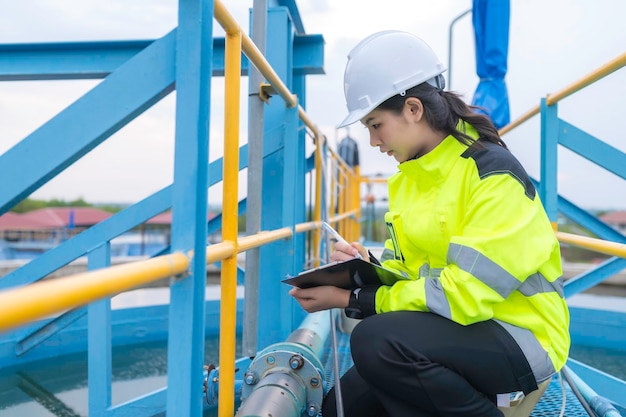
(549, 405)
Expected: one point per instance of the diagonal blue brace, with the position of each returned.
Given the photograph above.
(128, 92)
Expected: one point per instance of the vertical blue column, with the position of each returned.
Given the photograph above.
(299, 200)
(99, 362)
(275, 305)
(549, 159)
(185, 353)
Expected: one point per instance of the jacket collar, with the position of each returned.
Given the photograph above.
(438, 163)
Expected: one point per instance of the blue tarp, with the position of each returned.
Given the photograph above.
(491, 31)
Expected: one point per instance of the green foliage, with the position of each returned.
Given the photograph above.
(31, 204)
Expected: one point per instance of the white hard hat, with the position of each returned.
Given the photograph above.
(385, 64)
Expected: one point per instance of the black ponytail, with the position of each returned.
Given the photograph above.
(443, 110)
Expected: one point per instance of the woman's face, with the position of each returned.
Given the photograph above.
(403, 136)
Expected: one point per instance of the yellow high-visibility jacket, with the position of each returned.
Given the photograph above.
(471, 236)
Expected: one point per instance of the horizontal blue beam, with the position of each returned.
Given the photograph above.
(592, 149)
(96, 60)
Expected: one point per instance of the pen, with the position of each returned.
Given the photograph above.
(337, 236)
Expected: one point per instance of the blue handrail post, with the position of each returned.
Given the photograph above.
(189, 206)
(279, 172)
(99, 356)
(549, 159)
(299, 188)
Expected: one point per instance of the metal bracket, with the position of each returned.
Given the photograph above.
(266, 91)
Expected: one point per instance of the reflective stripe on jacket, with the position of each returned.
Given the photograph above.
(469, 232)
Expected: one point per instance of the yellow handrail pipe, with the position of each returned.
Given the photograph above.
(598, 245)
(25, 304)
(551, 99)
(308, 226)
(263, 237)
(231, 26)
(523, 118)
(591, 78)
(342, 216)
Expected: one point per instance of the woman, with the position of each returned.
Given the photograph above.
(481, 312)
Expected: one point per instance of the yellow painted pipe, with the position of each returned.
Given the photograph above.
(375, 180)
(341, 164)
(356, 202)
(25, 304)
(591, 78)
(551, 99)
(228, 301)
(230, 25)
(309, 123)
(261, 238)
(341, 217)
(527, 116)
(308, 226)
(220, 251)
(598, 245)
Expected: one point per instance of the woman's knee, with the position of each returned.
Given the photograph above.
(367, 340)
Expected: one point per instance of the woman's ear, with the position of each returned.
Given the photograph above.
(414, 108)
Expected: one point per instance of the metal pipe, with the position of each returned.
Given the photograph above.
(341, 217)
(594, 404)
(305, 227)
(454, 21)
(591, 78)
(228, 301)
(277, 395)
(255, 184)
(230, 25)
(523, 118)
(598, 245)
(25, 304)
(22, 305)
(313, 331)
(551, 99)
(285, 379)
(262, 238)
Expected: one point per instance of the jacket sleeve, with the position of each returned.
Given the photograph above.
(504, 238)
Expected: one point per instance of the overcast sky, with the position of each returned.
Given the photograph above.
(552, 44)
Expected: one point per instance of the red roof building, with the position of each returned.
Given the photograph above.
(617, 219)
(61, 217)
(45, 223)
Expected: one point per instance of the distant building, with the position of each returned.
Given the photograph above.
(615, 219)
(51, 224)
(27, 235)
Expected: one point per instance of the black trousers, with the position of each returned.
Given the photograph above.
(420, 364)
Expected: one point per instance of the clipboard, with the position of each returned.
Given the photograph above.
(349, 274)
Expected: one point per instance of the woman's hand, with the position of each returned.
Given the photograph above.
(321, 298)
(345, 252)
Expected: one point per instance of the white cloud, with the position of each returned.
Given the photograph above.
(552, 44)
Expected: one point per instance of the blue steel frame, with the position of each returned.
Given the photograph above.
(137, 74)
(591, 327)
